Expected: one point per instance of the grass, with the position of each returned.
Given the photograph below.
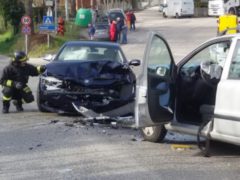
(38, 43)
(42, 48)
(5, 35)
(8, 43)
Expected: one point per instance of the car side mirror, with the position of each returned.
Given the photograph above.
(134, 62)
(49, 57)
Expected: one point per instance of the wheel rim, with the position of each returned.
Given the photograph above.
(148, 131)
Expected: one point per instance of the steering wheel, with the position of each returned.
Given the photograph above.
(210, 72)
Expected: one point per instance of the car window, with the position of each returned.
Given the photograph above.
(216, 53)
(115, 15)
(90, 53)
(102, 26)
(234, 71)
(158, 50)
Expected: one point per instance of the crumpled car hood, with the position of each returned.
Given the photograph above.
(90, 73)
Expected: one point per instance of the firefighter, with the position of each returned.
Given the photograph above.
(14, 81)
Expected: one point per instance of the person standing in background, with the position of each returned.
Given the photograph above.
(128, 19)
(113, 31)
(120, 24)
(94, 15)
(91, 31)
(124, 34)
(133, 20)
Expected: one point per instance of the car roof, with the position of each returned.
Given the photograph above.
(120, 11)
(115, 9)
(226, 36)
(98, 43)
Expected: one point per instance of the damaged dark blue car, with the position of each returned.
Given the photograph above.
(90, 74)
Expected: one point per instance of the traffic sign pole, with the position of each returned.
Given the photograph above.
(26, 43)
(48, 40)
(26, 29)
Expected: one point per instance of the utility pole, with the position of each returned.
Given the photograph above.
(55, 9)
(66, 10)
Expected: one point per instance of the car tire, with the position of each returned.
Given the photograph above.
(154, 133)
(164, 15)
(177, 16)
(39, 102)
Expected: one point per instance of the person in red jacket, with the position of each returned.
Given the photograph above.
(113, 31)
(128, 15)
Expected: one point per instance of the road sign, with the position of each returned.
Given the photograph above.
(49, 2)
(26, 30)
(49, 12)
(26, 20)
(47, 28)
(47, 19)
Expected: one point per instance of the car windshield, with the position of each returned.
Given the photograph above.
(90, 53)
(101, 26)
(115, 15)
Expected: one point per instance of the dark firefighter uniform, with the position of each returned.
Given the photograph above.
(14, 81)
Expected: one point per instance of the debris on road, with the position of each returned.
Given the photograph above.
(81, 121)
(116, 115)
(54, 121)
(137, 138)
(181, 147)
(69, 124)
(114, 125)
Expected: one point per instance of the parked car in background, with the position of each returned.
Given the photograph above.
(113, 14)
(91, 74)
(199, 95)
(102, 32)
(103, 18)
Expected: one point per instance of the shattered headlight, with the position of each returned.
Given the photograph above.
(51, 83)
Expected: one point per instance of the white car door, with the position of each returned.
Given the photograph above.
(154, 100)
(227, 108)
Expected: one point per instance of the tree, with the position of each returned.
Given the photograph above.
(12, 11)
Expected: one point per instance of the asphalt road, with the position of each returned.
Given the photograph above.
(36, 145)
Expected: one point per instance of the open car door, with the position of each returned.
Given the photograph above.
(226, 114)
(155, 86)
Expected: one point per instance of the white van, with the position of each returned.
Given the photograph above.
(178, 8)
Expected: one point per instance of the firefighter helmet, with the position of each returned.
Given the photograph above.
(20, 56)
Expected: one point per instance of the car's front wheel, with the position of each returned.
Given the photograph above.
(154, 133)
(164, 15)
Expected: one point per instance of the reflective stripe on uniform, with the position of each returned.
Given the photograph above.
(9, 83)
(23, 59)
(27, 89)
(39, 69)
(5, 98)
